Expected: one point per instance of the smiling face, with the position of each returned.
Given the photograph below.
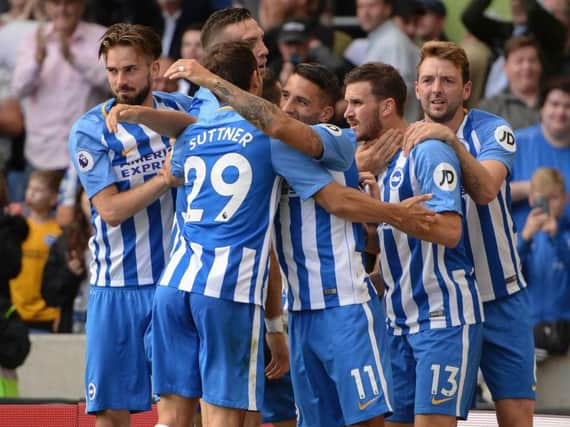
(303, 100)
(523, 70)
(440, 90)
(555, 114)
(363, 111)
(130, 74)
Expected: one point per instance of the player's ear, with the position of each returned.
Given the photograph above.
(327, 114)
(256, 82)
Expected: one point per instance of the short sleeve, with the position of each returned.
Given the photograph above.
(305, 175)
(90, 156)
(338, 146)
(437, 171)
(497, 141)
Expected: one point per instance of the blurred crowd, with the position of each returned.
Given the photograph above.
(50, 74)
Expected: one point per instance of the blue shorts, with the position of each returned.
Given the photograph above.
(435, 372)
(340, 364)
(117, 373)
(278, 400)
(207, 347)
(507, 360)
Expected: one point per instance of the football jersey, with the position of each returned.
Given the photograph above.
(134, 252)
(232, 190)
(428, 286)
(321, 255)
(490, 232)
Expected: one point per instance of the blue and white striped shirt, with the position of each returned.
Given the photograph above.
(134, 252)
(321, 255)
(491, 234)
(232, 190)
(428, 285)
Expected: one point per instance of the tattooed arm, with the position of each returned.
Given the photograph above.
(264, 115)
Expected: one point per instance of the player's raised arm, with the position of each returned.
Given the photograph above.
(164, 122)
(261, 113)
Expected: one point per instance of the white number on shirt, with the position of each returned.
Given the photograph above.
(237, 190)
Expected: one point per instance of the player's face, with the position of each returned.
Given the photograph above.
(556, 114)
(302, 99)
(440, 89)
(130, 75)
(248, 31)
(363, 111)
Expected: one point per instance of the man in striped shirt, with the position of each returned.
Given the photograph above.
(433, 307)
(133, 209)
(485, 146)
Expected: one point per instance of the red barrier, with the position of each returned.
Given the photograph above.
(62, 415)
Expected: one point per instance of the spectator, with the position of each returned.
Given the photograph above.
(407, 14)
(529, 17)
(561, 10)
(23, 10)
(545, 248)
(41, 197)
(66, 267)
(58, 78)
(297, 44)
(546, 144)
(14, 341)
(432, 23)
(273, 14)
(388, 44)
(191, 49)
(518, 103)
(173, 17)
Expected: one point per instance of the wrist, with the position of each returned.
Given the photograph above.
(274, 325)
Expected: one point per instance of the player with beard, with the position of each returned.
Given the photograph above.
(485, 146)
(133, 209)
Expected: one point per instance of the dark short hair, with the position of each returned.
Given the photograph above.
(448, 51)
(271, 87)
(519, 42)
(51, 178)
(232, 61)
(142, 38)
(385, 81)
(324, 78)
(555, 83)
(219, 20)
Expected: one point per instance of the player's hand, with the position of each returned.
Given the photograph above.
(279, 364)
(166, 174)
(420, 131)
(41, 45)
(374, 156)
(368, 184)
(534, 223)
(413, 216)
(122, 113)
(191, 70)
